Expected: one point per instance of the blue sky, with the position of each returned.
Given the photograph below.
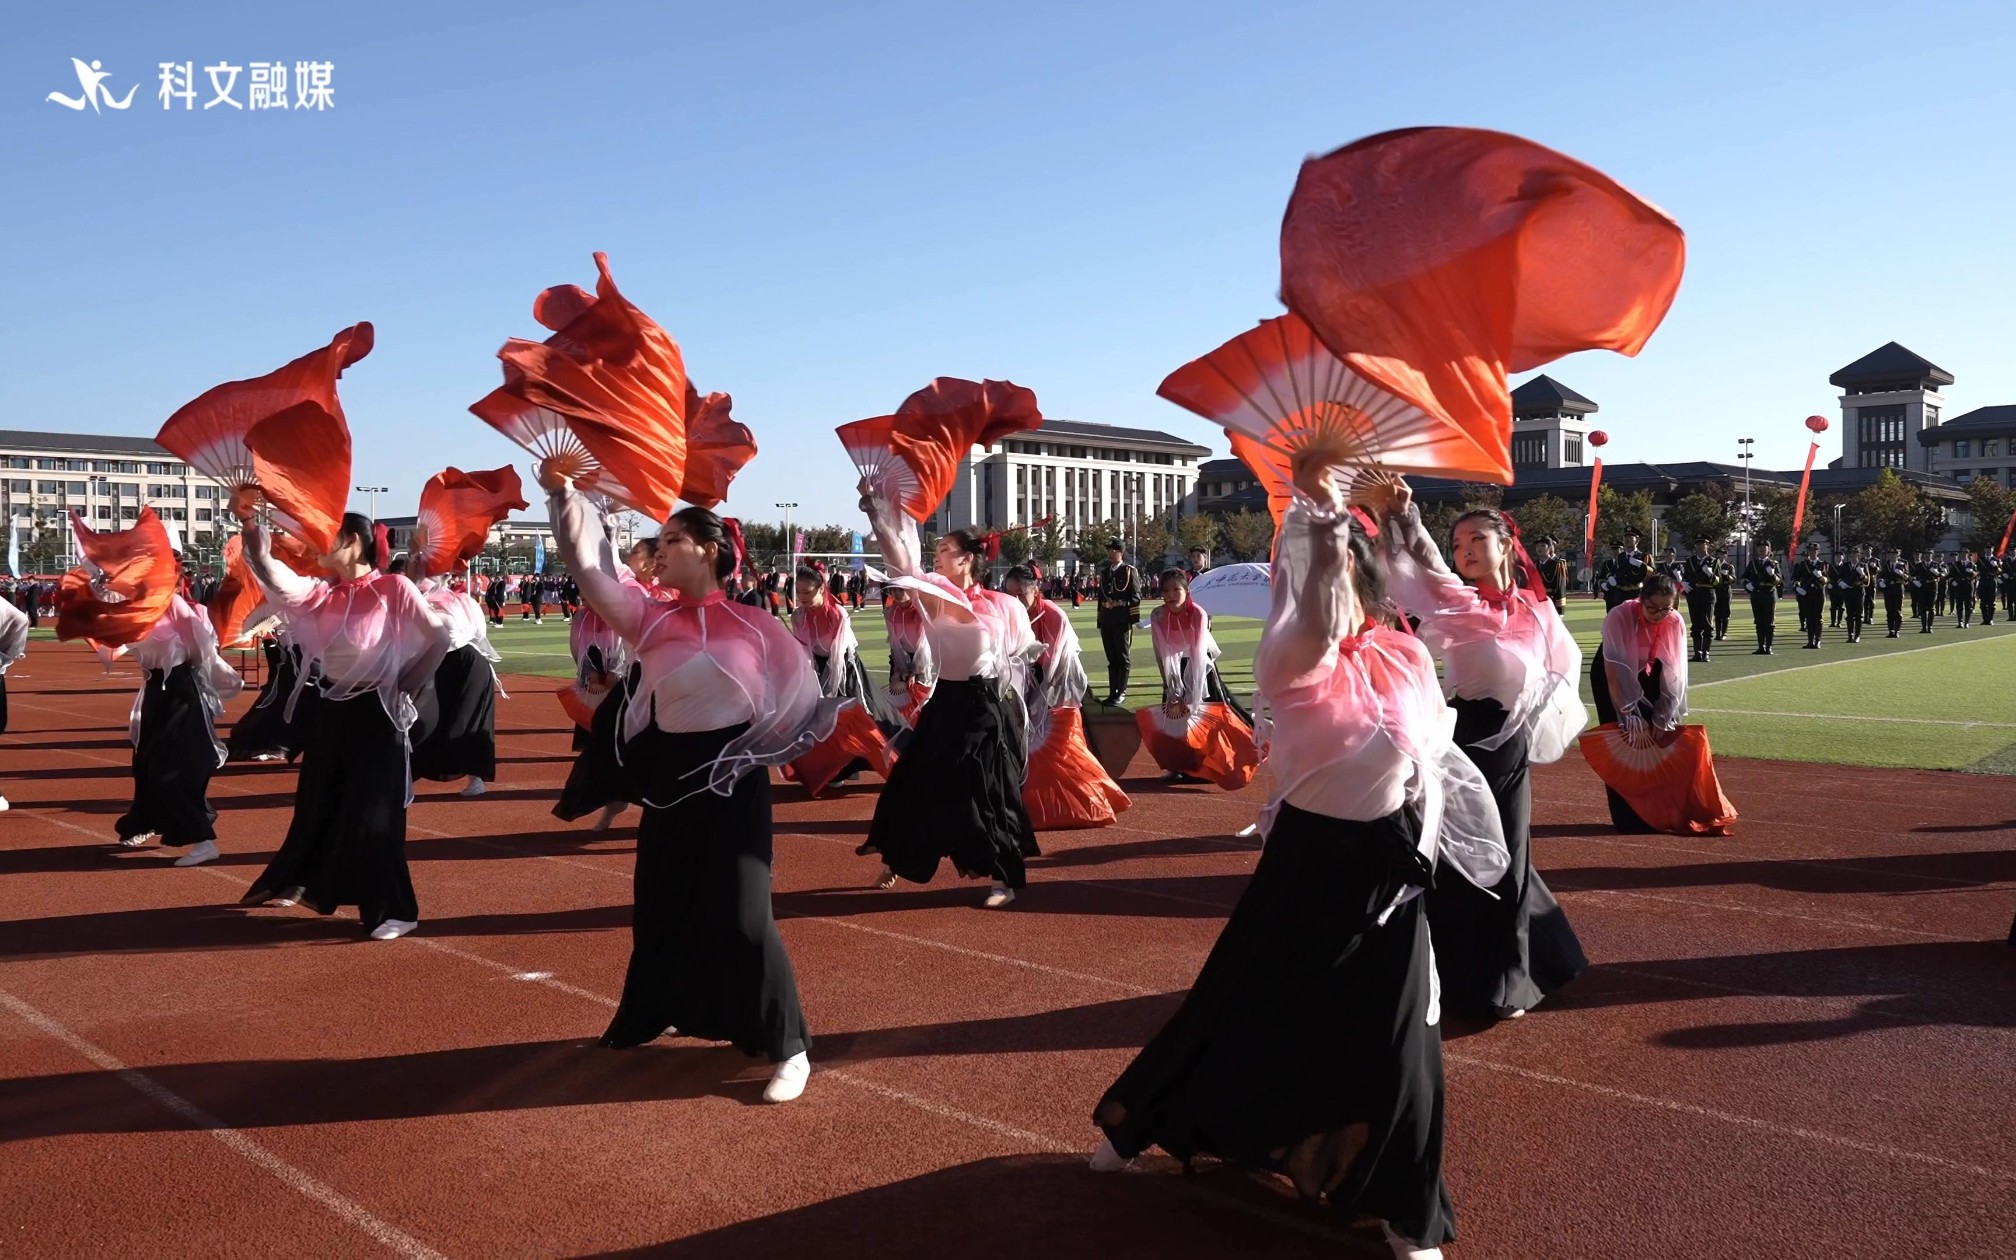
(829, 204)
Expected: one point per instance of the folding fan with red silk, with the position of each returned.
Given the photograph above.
(1671, 784)
(913, 456)
(211, 432)
(605, 396)
(457, 510)
(1435, 260)
(301, 458)
(1281, 388)
(235, 597)
(124, 585)
(855, 742)
(717, 446)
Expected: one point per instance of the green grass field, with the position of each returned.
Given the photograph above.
(1944, 701)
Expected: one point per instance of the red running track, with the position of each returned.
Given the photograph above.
(1800, 1040)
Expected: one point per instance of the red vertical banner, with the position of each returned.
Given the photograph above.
(1799, 509)
(1589, 532)
(2003, 550)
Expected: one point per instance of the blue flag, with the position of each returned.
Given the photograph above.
(538, 553)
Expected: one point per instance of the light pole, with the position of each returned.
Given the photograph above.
(1837, 527)
(1744, 444)
(374, 492)
(790, 543)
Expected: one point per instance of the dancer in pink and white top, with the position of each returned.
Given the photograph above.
(1309, 1043)
(456, 734)
(13, 646)
(723, 693)
(956, 792)
(371, 643)
(1511, 672)
(173, 728)
(603, 683)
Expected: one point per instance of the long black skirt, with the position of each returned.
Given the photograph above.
(957, 792)
(456, 733)
(1622, 816)
(705, 956)
(1305, 1045)
(347, 843)
(1513, 950)
(266, 730)
(173, 762)
(3, 704)
(599, 777)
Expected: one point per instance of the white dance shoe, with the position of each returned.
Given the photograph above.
(139, 841)
(1106, 1159)
(198, 854)
(1405, 1250)
(288, 896)
(999, 896)
(4, 806)
(788, 1081)
(474, 787)
(392, 930)
(887, 879)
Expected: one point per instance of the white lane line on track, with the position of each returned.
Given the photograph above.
(1859, 717)
(345, 1209)
(1734, 1117)
(1698, 904)
(1825, 864)
(1852, 660)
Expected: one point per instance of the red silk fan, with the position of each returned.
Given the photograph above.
(457, 510)
(605, 396)
(1279, 386)
(210, 431)
(855, 738)
(301, 458)
(717, 447)
(1268, 468)
(1435, 260)
(1671, 784)
(913, 456)
(1210, 743)
(235, 597)
(124, 585)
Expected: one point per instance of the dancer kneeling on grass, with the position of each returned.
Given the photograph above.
(456, 734)
(1511, 671)
(1199, 733)
(1309, 1044)
(723, 693)
(956, 792)
(184, 683)
(1065, 787)
(371, 643)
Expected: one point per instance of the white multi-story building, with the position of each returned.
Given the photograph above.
(107, 480)
(1078, 473)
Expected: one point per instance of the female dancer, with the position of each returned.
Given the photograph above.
(456, 733)
(1639, 679)
(1309, 1044)
(1510, 670)
(824, 629)
(1066, 787)
(265, 733)
(957, 790)
(174, 732)
(374, 643)
(602, 679)
(1199, 733)
(722, 693)
(912, 672)
(13, 646)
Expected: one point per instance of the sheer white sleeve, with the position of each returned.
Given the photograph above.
(1314, 603)
(591, 558)
(284, 588)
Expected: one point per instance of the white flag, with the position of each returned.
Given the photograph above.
(14, 527)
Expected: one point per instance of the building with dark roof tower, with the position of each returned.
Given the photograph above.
(1888, 397)
(1549, 423)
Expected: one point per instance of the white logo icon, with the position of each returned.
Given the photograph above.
(92, 79)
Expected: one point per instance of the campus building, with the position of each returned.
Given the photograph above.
(44, 476)
(1076, 473)
(517, 542)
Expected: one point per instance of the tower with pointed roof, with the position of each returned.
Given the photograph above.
(1549, 423)
(1888, 397)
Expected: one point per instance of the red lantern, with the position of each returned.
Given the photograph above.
(1598, 437)
(1817, 423)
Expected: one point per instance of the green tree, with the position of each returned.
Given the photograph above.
(1771, 511)
(1249, 535)
(1549, 517)
(1046, 542)
(1153, 540)
(1990, 506)
(1621, 514)
(1093, 539)
(1894, 513)
(1015, 547)
(765, 541)
(829, 538)
(1698, 516)
(1197, 532)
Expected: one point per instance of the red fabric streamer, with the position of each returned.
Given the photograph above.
(1589, 531)
(2003, 549)
(1799, 509)
(381, 546)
